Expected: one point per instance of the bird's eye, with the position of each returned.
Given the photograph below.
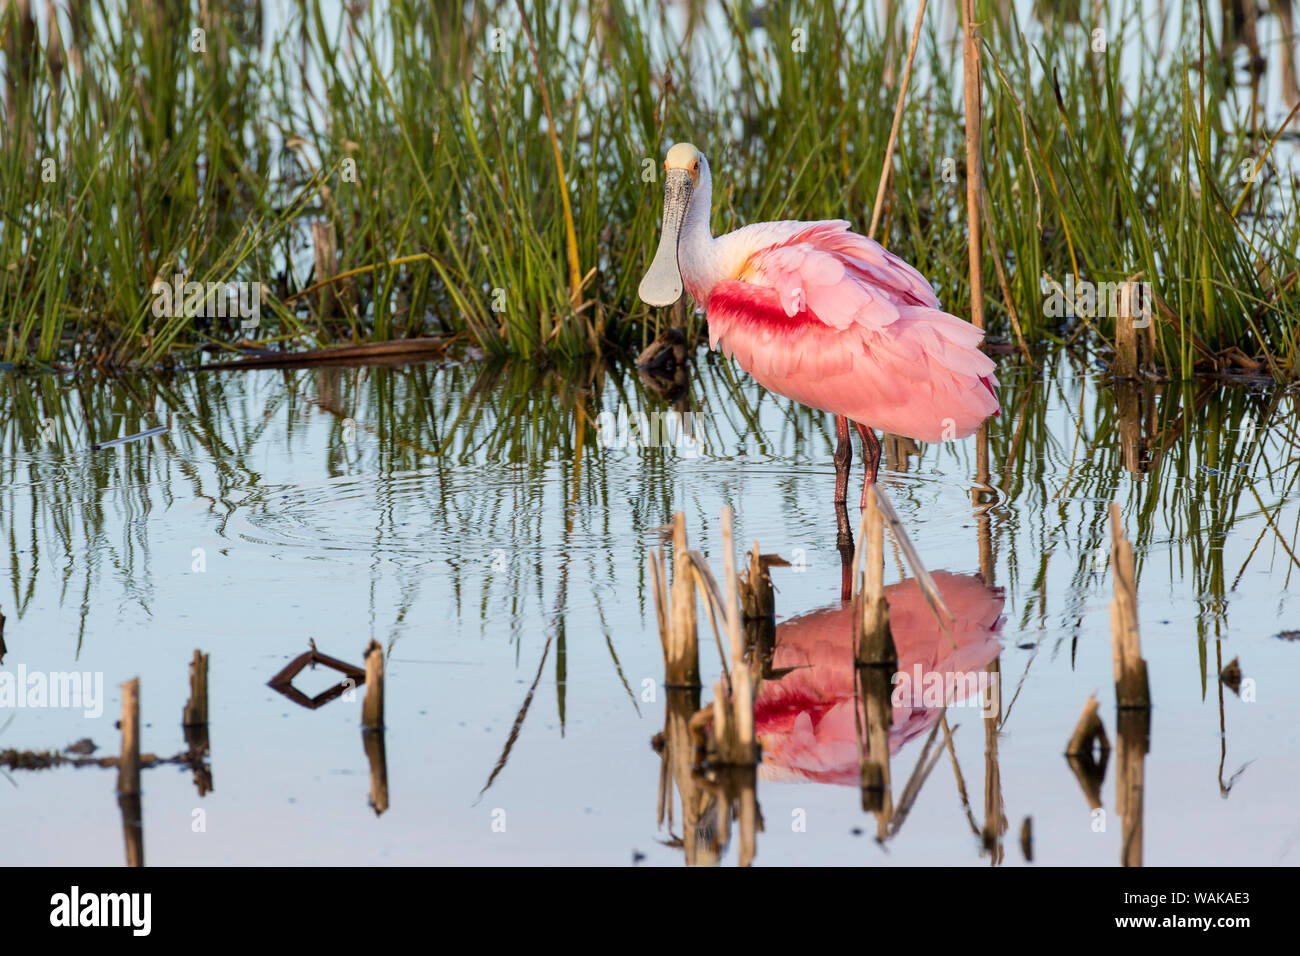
(697, 165)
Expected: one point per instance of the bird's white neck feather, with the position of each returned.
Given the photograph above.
(698, 255)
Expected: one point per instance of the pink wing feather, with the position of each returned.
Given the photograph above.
(834, 320)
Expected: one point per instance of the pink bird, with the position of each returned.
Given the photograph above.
(817, 313)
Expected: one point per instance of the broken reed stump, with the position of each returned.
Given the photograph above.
(733, 705)
(877, 661)
(1132, 690)
(757, 596)
(875, 645)
(1132, 346)
(1135, 407)
(372, 727)
(1088, 752)
(710, 754)
(194, 723)
(1132, 694)
(326, 256)
(1126, 338)
(682, 650)
(372, 710)
(734, 726)
(758, 606)
(128, 774)
(128, 769)
(1088, 732)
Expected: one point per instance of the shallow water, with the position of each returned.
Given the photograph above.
(473, 522)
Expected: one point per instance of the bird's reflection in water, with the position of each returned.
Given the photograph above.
(804, 715)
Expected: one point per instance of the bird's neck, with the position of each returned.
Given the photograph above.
(697, 253)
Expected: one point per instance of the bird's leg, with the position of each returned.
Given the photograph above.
(844, 544)
(870, 457)
(843, 458)
(844, 535)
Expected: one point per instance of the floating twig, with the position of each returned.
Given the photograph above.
(160, 430)
(377, 353)
(353, 676)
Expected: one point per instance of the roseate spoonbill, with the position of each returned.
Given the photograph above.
(820, 314)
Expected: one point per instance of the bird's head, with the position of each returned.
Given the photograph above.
(684, 168)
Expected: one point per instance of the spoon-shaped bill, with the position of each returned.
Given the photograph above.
(662, 284)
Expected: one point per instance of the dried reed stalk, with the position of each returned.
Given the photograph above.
(898, 118)
(974, 174)
(1126, 336)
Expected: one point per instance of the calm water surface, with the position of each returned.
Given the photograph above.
(478, 525)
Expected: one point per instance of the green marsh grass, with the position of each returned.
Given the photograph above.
(418, 134)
